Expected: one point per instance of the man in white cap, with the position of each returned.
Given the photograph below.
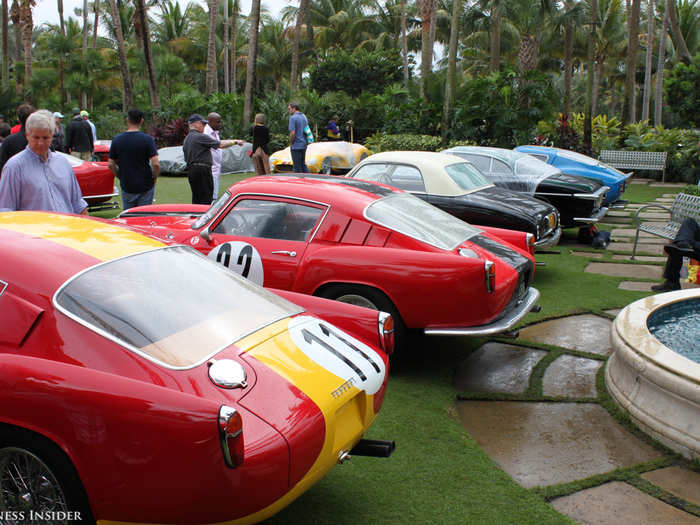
(86, 117)
(58, 143)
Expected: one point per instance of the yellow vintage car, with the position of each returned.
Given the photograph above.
(332, 157)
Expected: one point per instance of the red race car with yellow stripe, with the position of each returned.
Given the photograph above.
(144, 383)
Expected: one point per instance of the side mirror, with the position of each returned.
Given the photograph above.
(205, 234)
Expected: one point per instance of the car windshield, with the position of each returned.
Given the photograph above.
(212, 212)
(73, 161)
(411, 216)
(578, 157)
(466, 176)
(170, 305)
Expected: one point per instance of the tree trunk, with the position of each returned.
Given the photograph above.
(17, 30)
(451, 67)
(433, 25)
(227, 84)
(495, 37)
(568, 66)
(5, 48)
(528, 53)
(647, 64)
(659, 95)
(61, 69)
(628, 106)
(404, 43)
(597, 79)
(127, 92)
(211, 48)
(588, 121)
(234, 53)
(294, 75)
(83, 95)
(678, 40)
(254, 21)
(96, 7)
(145, 33)
(27, 27)
(425, 8)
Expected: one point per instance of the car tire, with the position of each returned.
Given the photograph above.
(326, 167)
(372, 298)
(32, 468)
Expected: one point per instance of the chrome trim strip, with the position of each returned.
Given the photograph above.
(549, 240)
(3, 287)
(593, 218)
(593, 196)
(502, 325)
(100, 196)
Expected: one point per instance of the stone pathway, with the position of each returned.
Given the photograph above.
(554, 431)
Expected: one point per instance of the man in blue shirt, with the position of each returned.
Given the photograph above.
(133, 158)
(37, 178)
(297, 138)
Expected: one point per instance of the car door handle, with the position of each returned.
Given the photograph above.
(285, 252)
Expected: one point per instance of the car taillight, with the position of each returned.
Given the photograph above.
(231, 436)
(490, 275)
(386, 332)
(530, 243)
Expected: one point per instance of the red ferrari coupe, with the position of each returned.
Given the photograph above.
(96, 182)
(144, 383)
(361, 243)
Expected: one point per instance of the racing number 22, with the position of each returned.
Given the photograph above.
(245, 257)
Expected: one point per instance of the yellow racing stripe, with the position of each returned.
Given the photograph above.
(98, 239)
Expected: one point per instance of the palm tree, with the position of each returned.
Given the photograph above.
(678, 38)
(451, 66)
(27, 24)
(211, 48)
(530, 19)
(127, 92)
(628, 105)
(647, 62)
(17, 30)
(275, 53)
(658, 96)
(5, 49)
(425, 8)
(404, 42)
(146, 40)
(254, 21)
(294, 75)
(609, 42)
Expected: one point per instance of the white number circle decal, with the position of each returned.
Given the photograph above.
(338, 352)
(242, 258)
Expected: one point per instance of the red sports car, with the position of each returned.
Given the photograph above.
(101, 150)
(96, 182)
(142, 382)
(362, 243)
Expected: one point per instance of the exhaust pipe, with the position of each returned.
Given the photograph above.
(376, 448)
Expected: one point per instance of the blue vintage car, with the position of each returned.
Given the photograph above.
(572, 163)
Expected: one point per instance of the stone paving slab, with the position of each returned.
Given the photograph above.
(587, 333)
(569, 375)
(668, 184)
(593, 255)
(665, 199)
(618, 503)
(640, 271)
(636, 286)
(631, 232)
(613, 311)
(678, 481)
(640, 181)
(637, 257)
(649, 249)
(540, 444)
(619, 213)
(497, 367)
(613, 221)
(660, 215)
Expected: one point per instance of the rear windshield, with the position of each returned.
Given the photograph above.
(170, 305)
(529, 165)
(466, 176)
(411, 216)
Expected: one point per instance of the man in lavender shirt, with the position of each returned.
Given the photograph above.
(37, 178)
(212, 129)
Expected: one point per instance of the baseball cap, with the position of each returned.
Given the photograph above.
(57, 114)
(84, 113)
(196, 117)
(76, 111)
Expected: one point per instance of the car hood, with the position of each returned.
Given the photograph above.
(562, 183)
(509, 202)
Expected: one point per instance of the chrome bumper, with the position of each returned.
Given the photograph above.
(550, 240)
(593, 218)
(502, 325)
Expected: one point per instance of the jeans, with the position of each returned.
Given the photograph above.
(299, 160)
(689, 232)
(130, 200)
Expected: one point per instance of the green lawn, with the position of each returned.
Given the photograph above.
(438, 474)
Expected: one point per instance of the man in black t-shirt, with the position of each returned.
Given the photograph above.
(133, 158)
(197, 150)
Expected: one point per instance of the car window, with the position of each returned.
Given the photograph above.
(466, 176)
(483, 164)
(578, 157)
(375, 172)
(539, 156)
(407, 178)
(407, 214)
(499, 167)
(140, 302)
(527, 165)
(269, 219)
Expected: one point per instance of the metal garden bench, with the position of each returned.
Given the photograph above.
(683, 207)
(635, 160)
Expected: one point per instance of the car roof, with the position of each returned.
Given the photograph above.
(64, 244)
(331, 190)
(506, 155)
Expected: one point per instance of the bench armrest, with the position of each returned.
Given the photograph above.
(636, 215)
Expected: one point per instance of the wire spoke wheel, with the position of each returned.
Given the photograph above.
(28, 484)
